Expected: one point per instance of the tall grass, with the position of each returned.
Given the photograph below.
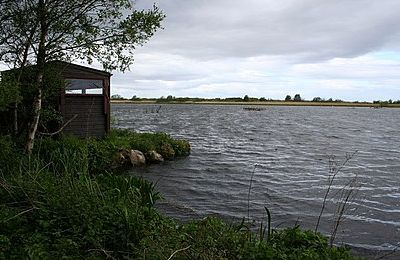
(54, 214)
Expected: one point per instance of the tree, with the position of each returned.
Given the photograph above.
(9, 93)
(246, 98)
(38, 31)
(288, 98)
(297, 97)
(15, 47)
(117, 97)
(317, 99)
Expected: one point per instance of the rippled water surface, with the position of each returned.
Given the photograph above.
(287, 151)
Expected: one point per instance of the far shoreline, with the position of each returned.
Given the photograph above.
(260, 103)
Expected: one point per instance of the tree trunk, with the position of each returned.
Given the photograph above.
(22, 67)
(40, 66)
(15, 123)
(37, 106)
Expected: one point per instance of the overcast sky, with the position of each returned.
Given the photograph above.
(347, 49)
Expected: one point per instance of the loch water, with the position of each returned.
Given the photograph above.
(279, 158)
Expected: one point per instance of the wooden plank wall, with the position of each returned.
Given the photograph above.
(91, 120)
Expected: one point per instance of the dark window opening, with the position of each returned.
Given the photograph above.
(84, 86)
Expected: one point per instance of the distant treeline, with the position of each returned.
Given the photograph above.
(246, 98)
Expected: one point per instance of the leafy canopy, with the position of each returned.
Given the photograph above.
(104, 30)
(9, 93)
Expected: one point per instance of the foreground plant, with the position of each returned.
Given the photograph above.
(347, 194)
(46, 215)
(52, 206)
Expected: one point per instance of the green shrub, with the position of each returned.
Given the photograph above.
(46, 215)
(9, 155)
(305, 244)
(9, 92)
(181, 147)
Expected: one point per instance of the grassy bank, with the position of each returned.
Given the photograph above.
(265, 103)
(67, 202)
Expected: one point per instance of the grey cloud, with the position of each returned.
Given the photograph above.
(270, 48)
(308, 29)
(161, 75)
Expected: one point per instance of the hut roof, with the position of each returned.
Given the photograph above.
(81, 67)
(69, 65)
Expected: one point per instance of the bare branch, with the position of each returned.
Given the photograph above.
(177, 251)
(61, 128)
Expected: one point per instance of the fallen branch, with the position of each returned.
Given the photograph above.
(177, 251)
(61, 128)
(19, 214)
(106, 253)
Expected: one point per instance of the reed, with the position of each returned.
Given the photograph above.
(334, 169)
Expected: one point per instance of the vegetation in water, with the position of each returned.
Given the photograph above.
(99, 154)
(63, 202)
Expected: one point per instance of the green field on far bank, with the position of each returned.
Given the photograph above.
(261, 103)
